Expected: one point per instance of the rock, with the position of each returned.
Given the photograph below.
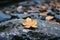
(42, 17)
(57, 17)
(4, 17)
(15, 30)
(19, 10)
(23, 16)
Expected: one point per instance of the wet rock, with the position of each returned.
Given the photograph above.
(57, 17)
(4, 17)
(15, 30)
(19, 10)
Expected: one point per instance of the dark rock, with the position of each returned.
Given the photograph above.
(4, 17)
(16, 31)
(57, 17)
(17, 38)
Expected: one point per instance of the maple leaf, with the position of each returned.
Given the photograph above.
(30, 23)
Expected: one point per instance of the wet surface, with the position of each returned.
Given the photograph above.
(13, 30)
(11, 19)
